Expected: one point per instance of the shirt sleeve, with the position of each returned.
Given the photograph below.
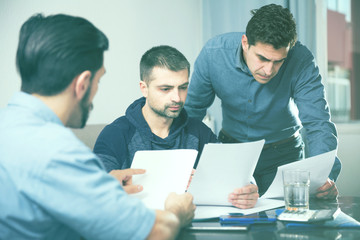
(314, 112)
(201, 93)
(75, 190)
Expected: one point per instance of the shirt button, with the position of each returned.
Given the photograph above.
(249, 101)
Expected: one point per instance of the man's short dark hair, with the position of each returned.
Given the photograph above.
(163, 57)
(53, 50)
(272, 24)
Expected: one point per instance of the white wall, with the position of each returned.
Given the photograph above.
(349, 154)
(132, 26)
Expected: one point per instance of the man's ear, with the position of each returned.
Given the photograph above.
(144, 88)
(82, 83)
(244, 42)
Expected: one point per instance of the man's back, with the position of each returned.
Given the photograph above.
(50, 177)
(22, 168)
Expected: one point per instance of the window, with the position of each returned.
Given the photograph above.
(343, 77)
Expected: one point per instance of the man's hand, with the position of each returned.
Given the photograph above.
(328, 190)
(125, 179)
(182, 206)
(245, 197)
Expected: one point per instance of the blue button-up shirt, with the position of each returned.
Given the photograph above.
(53, 187)
(293, 99)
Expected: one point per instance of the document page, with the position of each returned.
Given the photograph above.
(203, 212)
(221, 169)
(319, 167)
(166, 171)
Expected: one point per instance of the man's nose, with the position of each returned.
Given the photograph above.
(268, 68)
(175, 96)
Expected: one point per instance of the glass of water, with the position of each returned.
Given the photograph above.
(296, 189)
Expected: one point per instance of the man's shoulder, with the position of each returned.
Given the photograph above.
(225, 40)
(119, 125)
(120, 122)
(56, 143)
(65, 139)
(300, 51)
(119, 128)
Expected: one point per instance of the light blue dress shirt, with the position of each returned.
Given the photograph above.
(53, 187)
(293, 99)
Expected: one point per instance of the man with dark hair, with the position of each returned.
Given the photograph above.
(52, 185)
(269, 87)
(158, 121)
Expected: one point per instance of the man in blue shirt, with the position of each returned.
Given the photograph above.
(52, 186)
(270, 87)
(158, 121)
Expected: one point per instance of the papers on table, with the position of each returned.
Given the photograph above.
(319, 167)
(166, 171)
(203, 212)
(221, 169)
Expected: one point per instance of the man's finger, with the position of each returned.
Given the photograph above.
(252, 196)
(327, 187)
(330, 193)
(133, 189)
(328, 184)
(134, 171)
(246, 190)
(244, 203)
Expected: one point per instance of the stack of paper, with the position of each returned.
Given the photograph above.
(221, 169)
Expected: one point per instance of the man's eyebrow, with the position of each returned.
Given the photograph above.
(165, 85)
(281, 60)
(268, 60)
(171, 86)
(184, 84)
(262, 57)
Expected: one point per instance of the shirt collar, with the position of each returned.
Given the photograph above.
(39, 108)
(240, 61)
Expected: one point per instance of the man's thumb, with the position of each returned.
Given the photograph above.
(133, 189)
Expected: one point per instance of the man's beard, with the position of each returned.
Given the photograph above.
(85, 108)
(166, 112)
(81, 114)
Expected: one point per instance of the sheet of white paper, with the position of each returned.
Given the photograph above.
(221, 169)
(166, 171)
(319, 167)
(205, 212)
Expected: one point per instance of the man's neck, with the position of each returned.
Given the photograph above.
(59, 104)
(242, 56)
(159, 125)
